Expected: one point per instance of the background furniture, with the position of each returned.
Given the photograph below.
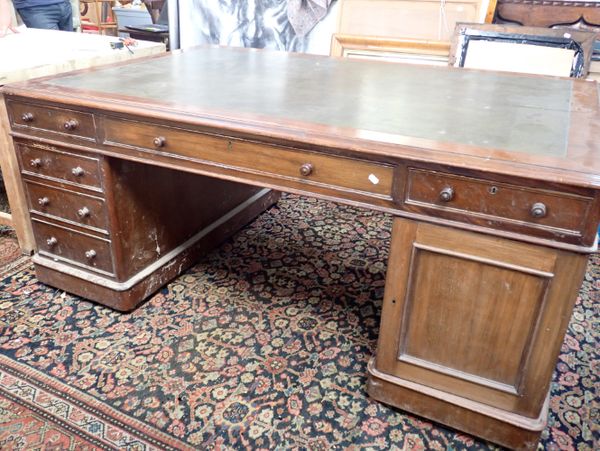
(409, 31)
(150, 36)
(555, 14)
(97, 17)
(573, 13)
(414, 19)
(391, 49)
(516, 48)
(491, 229)
(48, 53)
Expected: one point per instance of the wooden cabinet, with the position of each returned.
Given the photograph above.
(476, 323)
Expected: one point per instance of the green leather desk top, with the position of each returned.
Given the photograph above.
(532, 126)
(501, 111)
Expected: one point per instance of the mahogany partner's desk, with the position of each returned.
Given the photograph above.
(494, 181)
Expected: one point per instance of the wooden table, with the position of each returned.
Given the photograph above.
(36, 53)
(493, 179)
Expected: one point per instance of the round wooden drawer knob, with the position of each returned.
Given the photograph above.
(159, 141)
(90, 254)
(36, 163)
(27, 117)
(83, 212)
(43, 201)
(51, 241)
(306, 169)
(447, 194)
(78, 171)
(538, 210)
(71, 124)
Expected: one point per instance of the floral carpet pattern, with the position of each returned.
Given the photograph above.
(262, 345)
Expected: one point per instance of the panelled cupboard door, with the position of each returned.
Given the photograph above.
(476, 316)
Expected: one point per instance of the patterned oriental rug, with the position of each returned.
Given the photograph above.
(9, 248)
(262, 345)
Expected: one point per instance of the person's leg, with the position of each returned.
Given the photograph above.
(39, 17)
(50, 17)
(66, 16)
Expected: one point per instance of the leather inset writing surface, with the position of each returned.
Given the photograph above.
(524, 114)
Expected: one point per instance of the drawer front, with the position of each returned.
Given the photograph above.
(498, 201)
(72, 247)
(74, 168)
(304, 166)
(56, 120)
(79, 208)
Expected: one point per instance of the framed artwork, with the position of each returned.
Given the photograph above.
(514, 48)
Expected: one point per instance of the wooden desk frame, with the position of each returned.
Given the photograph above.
(511, 274)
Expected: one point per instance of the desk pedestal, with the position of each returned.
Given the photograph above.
(115, 231)
(471, 329)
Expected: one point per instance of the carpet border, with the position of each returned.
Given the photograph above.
(59, 423)
(153, 436)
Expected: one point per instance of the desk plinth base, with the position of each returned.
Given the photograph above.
(125, 296)
(478, 419)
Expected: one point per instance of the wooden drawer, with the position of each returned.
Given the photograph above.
(75, 207)
(56, 120)
(55, 164)
(473, 198)
(72, 247)
(303, 166)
